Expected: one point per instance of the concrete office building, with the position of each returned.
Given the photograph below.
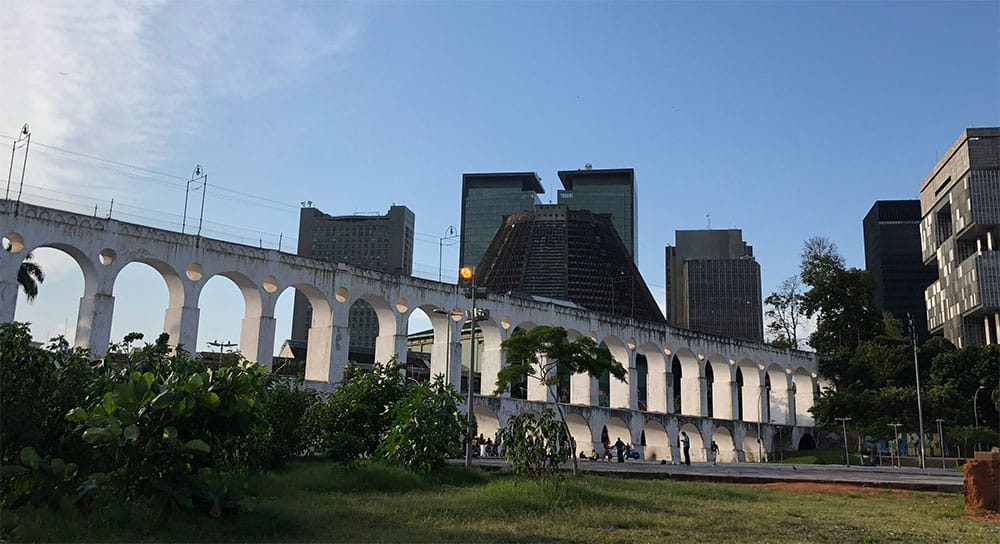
(892, 256)
(379, 242)
(713, 284)
(960, 237)
(488, 199)
(608, 191)
(559, 253)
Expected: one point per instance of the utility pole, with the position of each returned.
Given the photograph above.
(221, 346)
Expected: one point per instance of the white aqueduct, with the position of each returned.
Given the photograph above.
(747, 397)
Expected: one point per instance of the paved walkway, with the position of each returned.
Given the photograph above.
(916, 479)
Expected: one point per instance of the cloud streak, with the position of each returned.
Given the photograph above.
(124, 80)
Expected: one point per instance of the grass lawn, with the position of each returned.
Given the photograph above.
(318, 501)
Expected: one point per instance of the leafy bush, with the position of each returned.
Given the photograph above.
(426, 426)
(170, 433)
(280, 434)
(350, 422)
(37, 388)
(535, 444)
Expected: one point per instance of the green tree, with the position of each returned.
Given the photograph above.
(545, 352)
(784, 314)
(841, 299)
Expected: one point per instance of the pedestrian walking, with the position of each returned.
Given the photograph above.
(686, 443)
(715, 452)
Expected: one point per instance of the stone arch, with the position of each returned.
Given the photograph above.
(657, 447)
(778, 405)
(803, 386)
(753, 448)
(92, 324)
(175, 296)
(528, 388)
(445, 342)
(721, 386)
(253, 310)
(656, 377)
(487, 421)
(807, 442)
(583, 388)
(689, 379)
(489, 353)
(387, 338)
(616, 428)
(751, 405)
(581, 434)
(326, 342)
(697, 444)
(727, 447)
(620, 393)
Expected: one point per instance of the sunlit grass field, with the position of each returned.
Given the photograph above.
(322, 502)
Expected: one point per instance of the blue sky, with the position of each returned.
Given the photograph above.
(787, 120)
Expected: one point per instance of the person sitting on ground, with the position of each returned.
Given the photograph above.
(593, 454)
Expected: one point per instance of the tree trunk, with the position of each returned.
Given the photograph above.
(562, 417)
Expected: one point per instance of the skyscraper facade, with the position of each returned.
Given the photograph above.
(607, 191)
(378, 242)
(960, 236)
(487, 199)
(892, 256)
(713, 284)
(570, 255)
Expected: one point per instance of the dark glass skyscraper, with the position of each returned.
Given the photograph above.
(608, 191)
(487, 199)
(892, 256)
(378, 242)
(713, 284)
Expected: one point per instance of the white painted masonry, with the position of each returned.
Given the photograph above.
(103, 247)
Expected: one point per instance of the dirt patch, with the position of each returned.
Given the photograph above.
(833, 488)
(985, 518)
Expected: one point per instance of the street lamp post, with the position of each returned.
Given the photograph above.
(447, 354)
(467, 274)
(847, 453)
(23, 139)
(760, 416)
(941, 440)
(449, 234)
(920, 407)
(895, 429)
(975, 414)
(198, 175)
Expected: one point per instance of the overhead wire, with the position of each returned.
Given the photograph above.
(156, 177)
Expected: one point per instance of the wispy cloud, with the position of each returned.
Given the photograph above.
(127, 79)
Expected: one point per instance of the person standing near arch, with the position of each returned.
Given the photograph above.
(686, 443)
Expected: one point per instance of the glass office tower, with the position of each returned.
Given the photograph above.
(487, 200)
(608, 191)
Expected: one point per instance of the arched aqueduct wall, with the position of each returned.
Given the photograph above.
(706, 363)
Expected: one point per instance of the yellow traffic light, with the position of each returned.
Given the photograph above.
(466, 273)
